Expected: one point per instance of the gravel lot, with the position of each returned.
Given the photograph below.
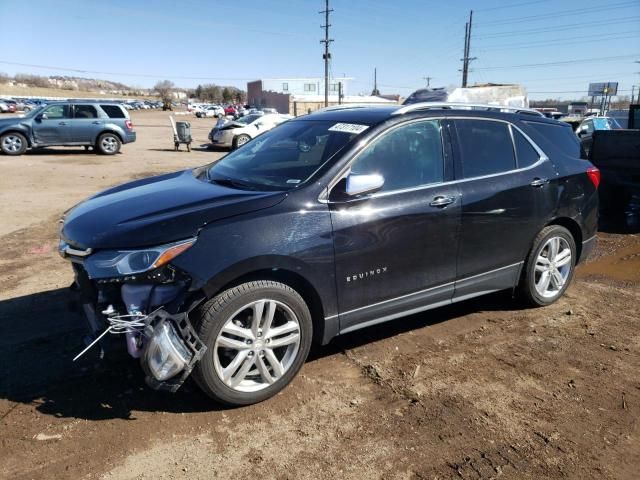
(478, 390)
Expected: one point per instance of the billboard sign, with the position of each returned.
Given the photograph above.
(603, 89)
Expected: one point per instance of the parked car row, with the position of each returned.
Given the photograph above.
(13, 105)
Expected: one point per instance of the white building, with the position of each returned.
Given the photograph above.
(302, 95)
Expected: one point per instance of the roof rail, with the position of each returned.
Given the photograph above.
(464, 106)
(344, 106)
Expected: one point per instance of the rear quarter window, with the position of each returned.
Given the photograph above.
(113, 111)
(561, 137)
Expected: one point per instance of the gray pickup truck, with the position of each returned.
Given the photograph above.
(105, 126)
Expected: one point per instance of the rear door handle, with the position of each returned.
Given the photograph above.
(539, 182)
(441, 201)
(96, 122)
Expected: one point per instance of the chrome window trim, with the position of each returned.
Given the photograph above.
(324, 196)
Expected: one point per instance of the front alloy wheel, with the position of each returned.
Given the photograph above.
(257, 345)
(258, 336)
(13, 144)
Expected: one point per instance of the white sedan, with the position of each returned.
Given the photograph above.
(236, 133)
(210, 111)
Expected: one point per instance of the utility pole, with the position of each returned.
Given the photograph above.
(428, 79)
(326, 56)
(375, 91)
(467, 50)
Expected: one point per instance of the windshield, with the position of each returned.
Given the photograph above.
(247, 119)
(285, 157)
(34, 112)
(602, 123)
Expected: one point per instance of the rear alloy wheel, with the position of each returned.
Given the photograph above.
(108, 144)
(550, 266)
(258, 336)
(240, 140)
(13, 144)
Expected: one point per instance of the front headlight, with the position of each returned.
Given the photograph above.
(114, 263)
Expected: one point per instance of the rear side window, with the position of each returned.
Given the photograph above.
(113, 111)
(85, 111)
(485, 147)
(560, 136)
(527, 155)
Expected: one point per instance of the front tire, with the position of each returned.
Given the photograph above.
(108, 144)
(258, 336)
(240, 140)
(13, 143)
(549, 268)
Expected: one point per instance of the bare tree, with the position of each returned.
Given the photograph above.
(165, 90)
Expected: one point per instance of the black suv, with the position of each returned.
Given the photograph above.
(329, 223)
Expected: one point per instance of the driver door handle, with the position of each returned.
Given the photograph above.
(539, 182)
(441, 201)
(62, 123)
(97, 122)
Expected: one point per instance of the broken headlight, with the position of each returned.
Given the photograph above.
(114, 263)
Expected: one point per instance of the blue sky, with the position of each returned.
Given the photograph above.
(554, 48)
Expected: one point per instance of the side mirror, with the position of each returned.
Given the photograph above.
(363, 184)
(42, 116)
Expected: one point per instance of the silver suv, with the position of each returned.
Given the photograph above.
(105, 126)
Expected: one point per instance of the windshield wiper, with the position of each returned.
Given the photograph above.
(233, 183)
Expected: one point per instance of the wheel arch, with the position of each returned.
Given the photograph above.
(575, 230)
(108, 130)
(24, 133)
(322, 331)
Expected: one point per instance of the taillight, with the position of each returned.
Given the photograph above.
(128, 124)
(594, 175)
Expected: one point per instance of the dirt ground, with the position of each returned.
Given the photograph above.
(478, 390)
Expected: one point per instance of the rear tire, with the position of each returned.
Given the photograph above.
(249, 361)
(108, 144)
(13, 143)
(549, 267)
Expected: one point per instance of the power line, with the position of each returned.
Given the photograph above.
(558, 41)
(564, 27)
(502, 7)
(560, 13)
(562, 62)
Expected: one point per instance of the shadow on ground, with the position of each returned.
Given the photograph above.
(40, 335)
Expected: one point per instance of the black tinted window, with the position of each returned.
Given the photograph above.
(527, 155)
(85, 111)
(113, 111)
(485, 146)
(560, 136)
(408, 156)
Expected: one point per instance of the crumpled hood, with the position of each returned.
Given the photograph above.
(157, 210)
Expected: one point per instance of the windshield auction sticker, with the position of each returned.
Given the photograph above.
(348, 128)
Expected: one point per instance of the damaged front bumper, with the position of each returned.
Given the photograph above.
(173, 349)
(151, 319)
